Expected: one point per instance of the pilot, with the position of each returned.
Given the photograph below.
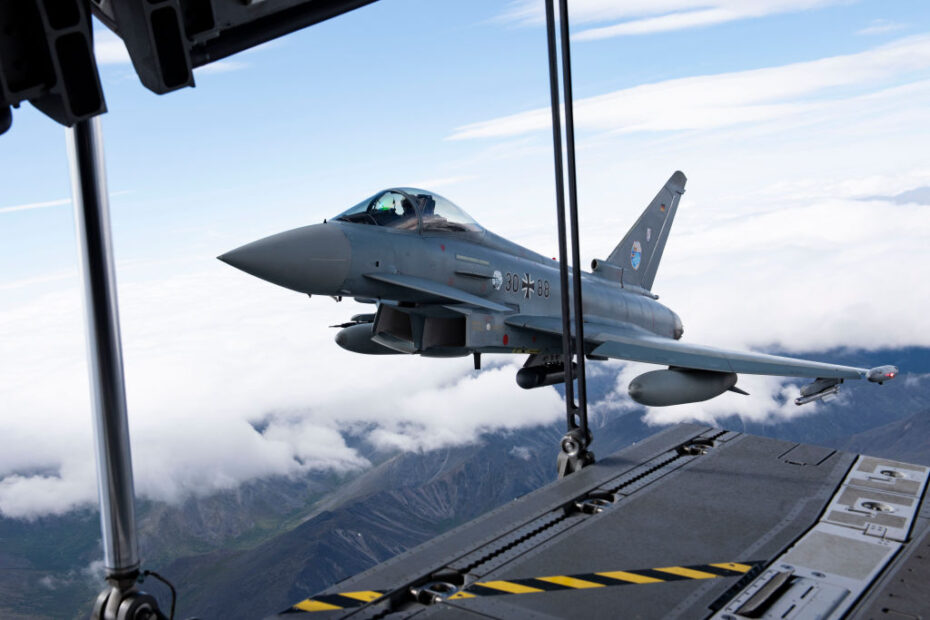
(408, 220)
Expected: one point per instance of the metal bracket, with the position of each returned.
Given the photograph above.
(574, 454)
(117, 603)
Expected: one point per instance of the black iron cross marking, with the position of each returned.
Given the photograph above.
(527, 285)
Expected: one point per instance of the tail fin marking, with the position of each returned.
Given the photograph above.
(640, 251)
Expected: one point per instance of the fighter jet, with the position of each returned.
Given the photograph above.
(444, 286)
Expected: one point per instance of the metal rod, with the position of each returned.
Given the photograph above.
(560, 209)
(105, 359)
(573, 215)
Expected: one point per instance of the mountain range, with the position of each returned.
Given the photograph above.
(255, 550)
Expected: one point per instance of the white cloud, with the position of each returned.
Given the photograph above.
(208, 356)
(89, 575)
(44, 204)
(651, 16)
(881, 26)
(798, 90)
(665, 23)
(36, 205)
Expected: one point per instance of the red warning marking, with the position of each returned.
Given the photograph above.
(506, 339)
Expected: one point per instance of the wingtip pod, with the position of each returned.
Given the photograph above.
(826, 387)
(880, 374)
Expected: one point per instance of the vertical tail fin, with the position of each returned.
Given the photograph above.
(639, 253)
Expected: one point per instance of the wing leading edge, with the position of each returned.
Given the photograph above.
(627, 343)
(437, 290)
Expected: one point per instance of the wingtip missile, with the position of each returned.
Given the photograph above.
(818, 390)
(824, 394)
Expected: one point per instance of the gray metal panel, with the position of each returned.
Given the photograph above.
(879, 497)
(842, 556)
(685, 520)
(902, 592)
(825, 571)
(445, 549)
(487, 608)
(803, 454)
(834, 549)
(887, 475)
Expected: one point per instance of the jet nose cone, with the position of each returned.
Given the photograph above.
(313, 259)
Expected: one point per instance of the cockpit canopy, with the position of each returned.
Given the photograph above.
(410, 209)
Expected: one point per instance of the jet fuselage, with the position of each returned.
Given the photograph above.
(444, 286)
(342, 259)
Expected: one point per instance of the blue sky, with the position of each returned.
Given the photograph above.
(794, 120)
(363, 101)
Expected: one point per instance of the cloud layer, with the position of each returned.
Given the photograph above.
(210, 358)
(639, 17)
(807, 89)
(231, 379)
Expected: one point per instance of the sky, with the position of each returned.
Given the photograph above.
(798, 122)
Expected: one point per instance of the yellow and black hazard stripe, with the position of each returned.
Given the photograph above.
(599, 580)
(534, 585)
(344, 600)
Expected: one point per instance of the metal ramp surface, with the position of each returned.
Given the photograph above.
(694, 522)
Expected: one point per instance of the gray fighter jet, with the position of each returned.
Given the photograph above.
(444, 286)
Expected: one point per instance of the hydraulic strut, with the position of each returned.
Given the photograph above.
(574, 453)
(120, 600)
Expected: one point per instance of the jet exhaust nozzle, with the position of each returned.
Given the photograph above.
(677, 386)
(539, 376)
